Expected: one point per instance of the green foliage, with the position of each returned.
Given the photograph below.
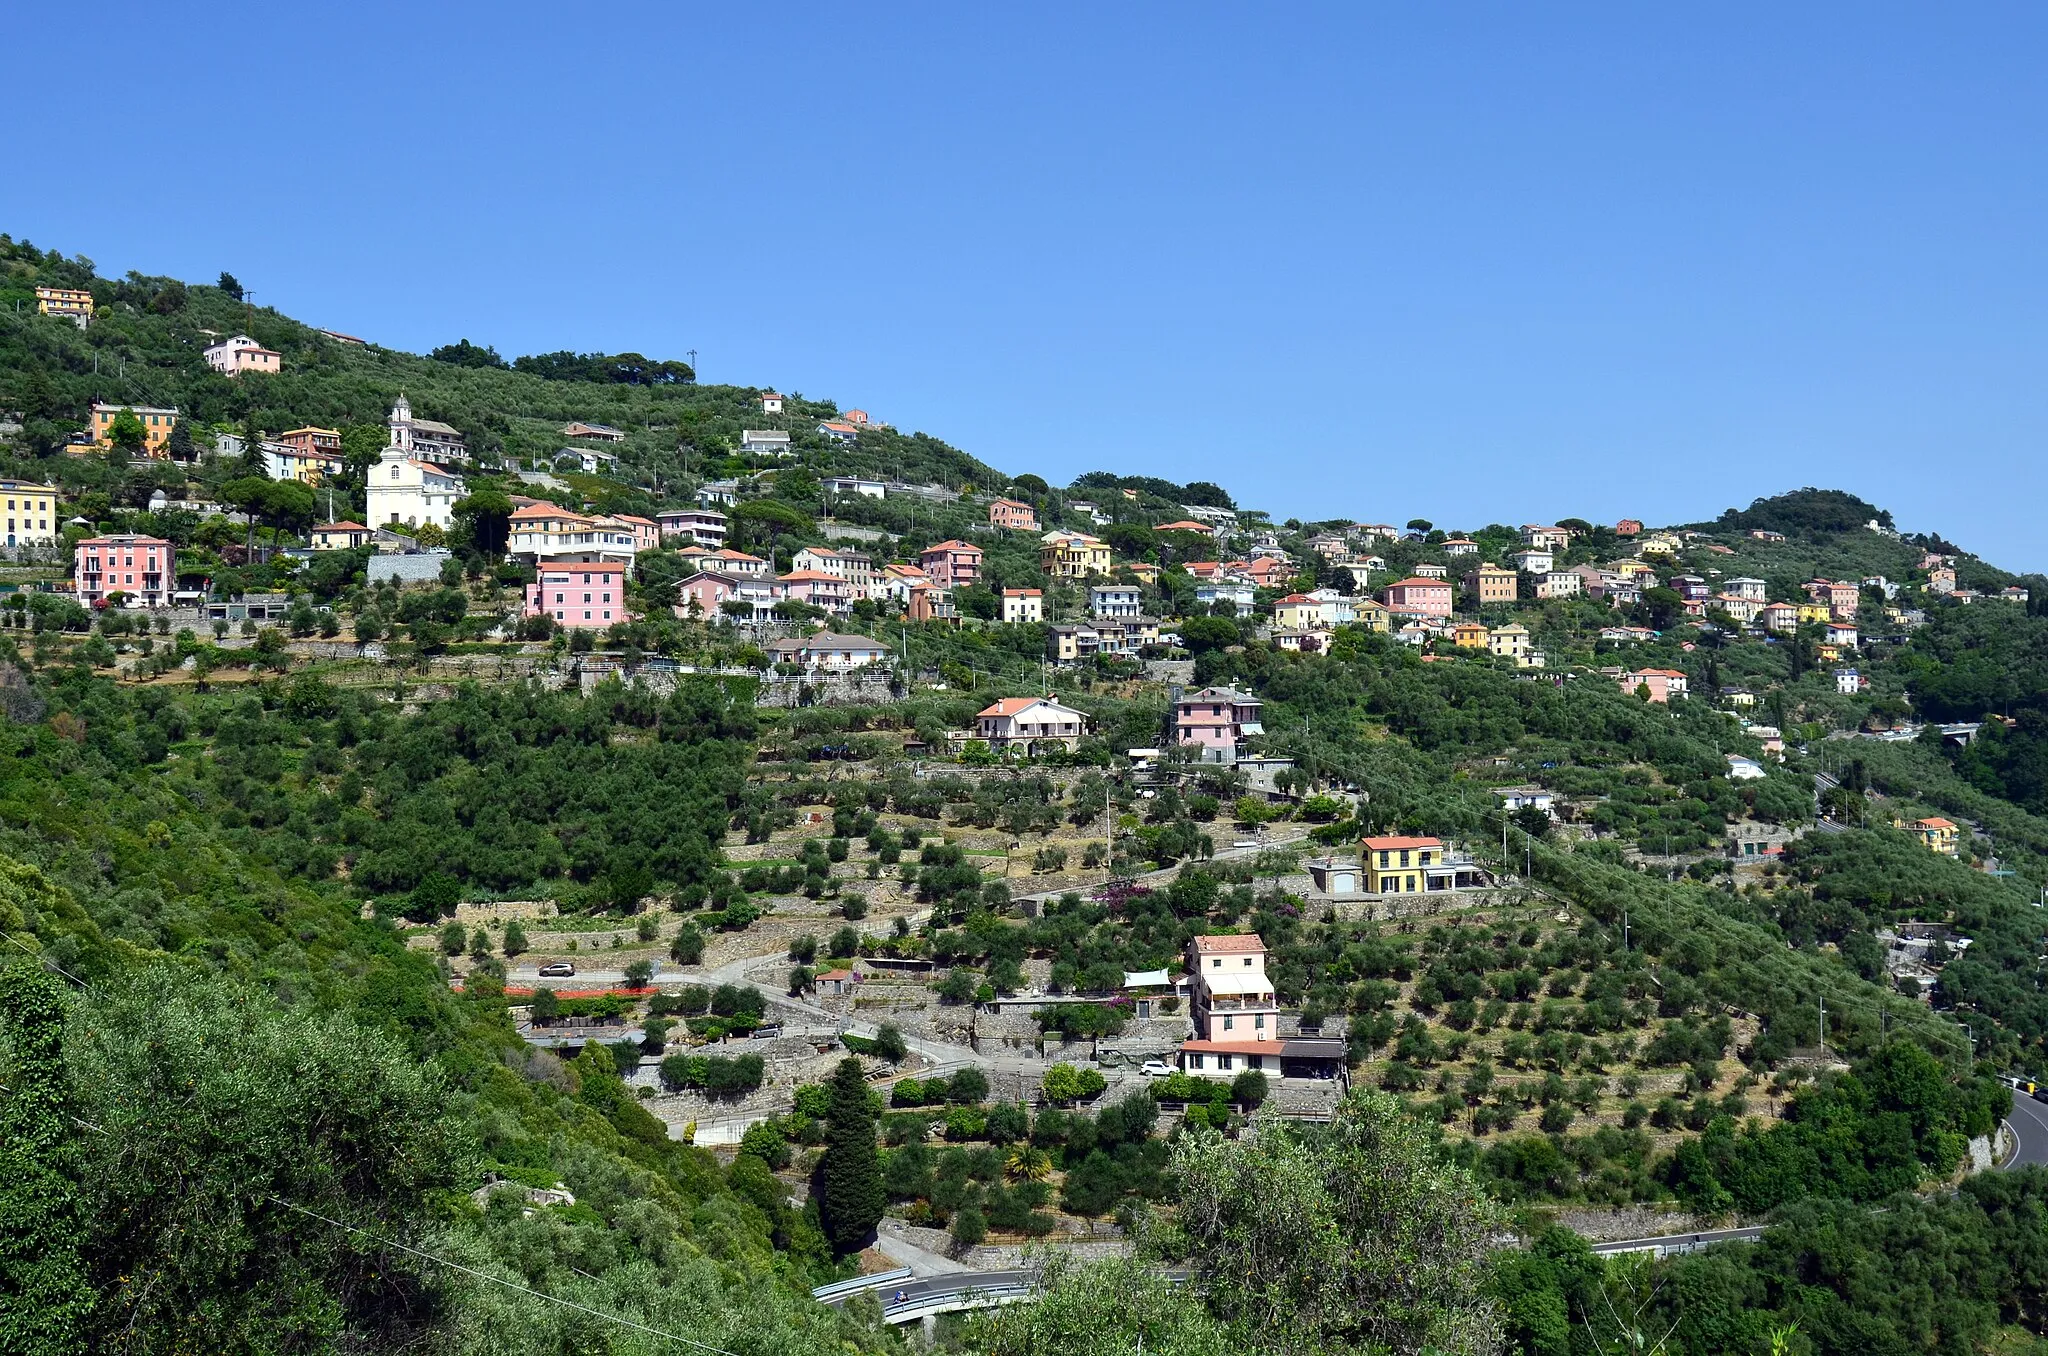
(851, 1196)
(1355, 1237)
(46, 1294)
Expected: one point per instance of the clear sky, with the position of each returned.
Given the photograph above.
(1473, 263)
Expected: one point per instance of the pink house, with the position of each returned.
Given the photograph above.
(581, 595)
(952, 564)
(703, 596)
(1216, 721)
(1010, 514)
(819, 589)
(233, 357)
(1663, 684)
(646, 532)
(142, 568)
(1417, 597)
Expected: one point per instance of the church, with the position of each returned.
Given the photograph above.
(406, 487)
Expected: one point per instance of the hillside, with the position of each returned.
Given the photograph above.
(654, 965)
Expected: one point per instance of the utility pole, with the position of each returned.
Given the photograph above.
(1624, 929)
(1823, 1022)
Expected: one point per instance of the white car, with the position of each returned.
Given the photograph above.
(1154, 1068)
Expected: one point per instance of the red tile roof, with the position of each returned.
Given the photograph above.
(1231, 944)
(1396, 844)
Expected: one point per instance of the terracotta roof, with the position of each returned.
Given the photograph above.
(1010, 706)
(1232, 944)
(341, 527)
(1936, 822)
(1201, 1047)
(1417, 581)
(952, 546)
(1023, 593)
(1184, 525)
(810, 576)
(1396, 844)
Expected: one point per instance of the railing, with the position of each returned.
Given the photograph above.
(859, 1285)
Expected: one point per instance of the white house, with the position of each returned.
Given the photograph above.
(406, 490)
(1030, 722)
(1742, 769)
(1023, 605)
(1114, 600)
(829, 651)
(867, 489)
(233, 357)
(772, 442)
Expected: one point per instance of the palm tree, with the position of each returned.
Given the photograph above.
(1027, 1164)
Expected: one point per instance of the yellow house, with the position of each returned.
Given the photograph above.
(1938, 834)
(31, 512)
(1491, 583)
(1144, 571)
(72, 303)
(1470, 636)
(1073, 555)
(156, 425)
(1399, 866)
(1509, 642)
(1815, 612)
(1372, 615)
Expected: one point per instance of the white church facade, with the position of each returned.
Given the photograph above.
(404, 487)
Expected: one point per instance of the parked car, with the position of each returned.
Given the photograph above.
(1155, 1068)
(557, 970)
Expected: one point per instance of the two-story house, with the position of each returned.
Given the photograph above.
(234, 356)
(1030, 723)
(1401, 866)
(1023, 605)
(1661, 684)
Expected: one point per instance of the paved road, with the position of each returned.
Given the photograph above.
(2029, 1121)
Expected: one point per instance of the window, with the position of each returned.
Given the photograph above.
(1229, 1023)
(1259, 1022)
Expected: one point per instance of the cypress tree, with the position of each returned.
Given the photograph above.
(850, 1197)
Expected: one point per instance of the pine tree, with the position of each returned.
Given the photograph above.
(851, 1196)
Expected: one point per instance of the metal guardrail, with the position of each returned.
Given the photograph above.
(859, 1285)
(950, 1301)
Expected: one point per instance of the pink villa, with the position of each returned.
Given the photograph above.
(1417, 597)
(233, 357)
(1216, 721)
(819, 589)
(142, 568)
(703, 596)
(1662, 684)
(581, 595)
(952, 564)
(1009, 513)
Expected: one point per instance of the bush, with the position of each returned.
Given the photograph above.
(1248, 1088)
(968, 1085)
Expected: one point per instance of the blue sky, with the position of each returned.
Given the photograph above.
(1472, 263)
